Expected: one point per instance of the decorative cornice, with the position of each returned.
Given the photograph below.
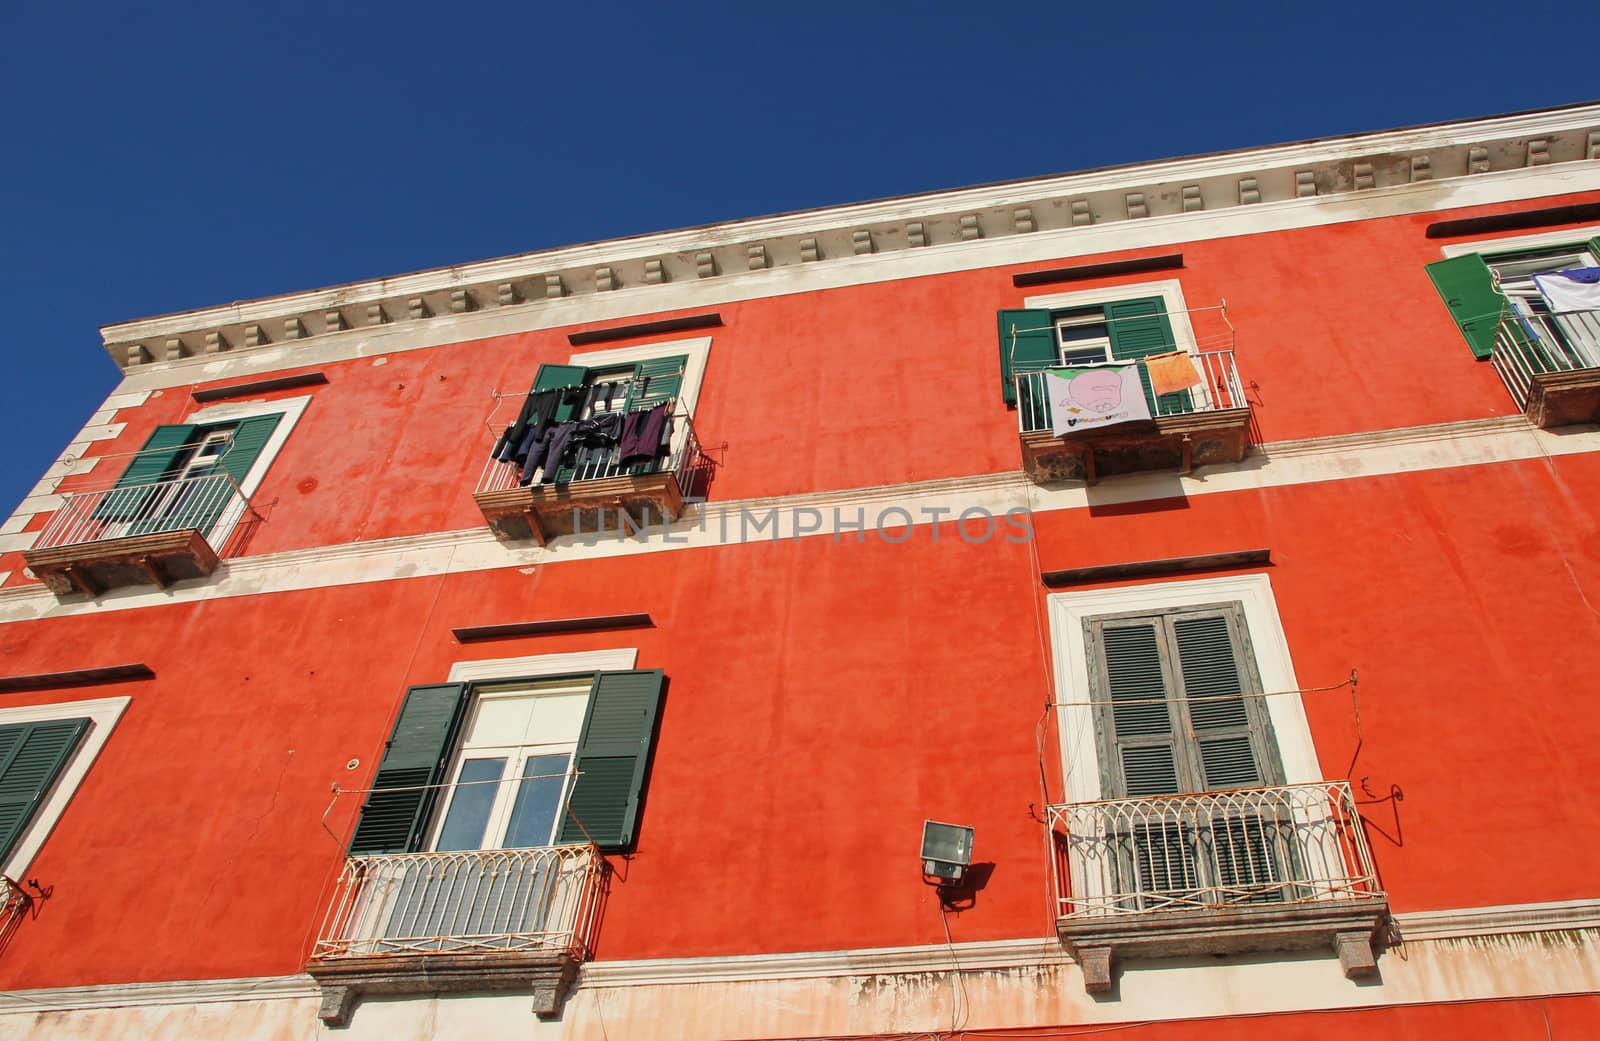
(1306, 172)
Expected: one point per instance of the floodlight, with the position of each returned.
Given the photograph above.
(946, 850)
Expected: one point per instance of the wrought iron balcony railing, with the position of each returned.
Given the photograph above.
(543, 900)
(1527, 347)
(1293, 844)
(204, 504)
(1219, 389)
(682, 459)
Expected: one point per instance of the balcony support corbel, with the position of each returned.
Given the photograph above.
(1356, 956)
(1095, 962)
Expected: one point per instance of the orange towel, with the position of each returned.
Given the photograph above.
(1170, 373)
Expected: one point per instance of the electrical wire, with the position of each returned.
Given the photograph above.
(1121, 702)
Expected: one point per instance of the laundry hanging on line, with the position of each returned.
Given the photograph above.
(1575, 289)
(1171, 372)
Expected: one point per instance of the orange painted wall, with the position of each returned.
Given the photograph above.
(824, 699)
(1339, 330)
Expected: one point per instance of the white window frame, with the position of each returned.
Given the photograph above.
(103, 714)
(697, 351)
(1170, 290)
(1572, 236)
(1076, 719)
(515, 755)
(289, 410)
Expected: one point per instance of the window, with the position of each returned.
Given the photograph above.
(582, 423)
(45, 752)
(1478, 281)
(1090, 328)
(514, 764)
(198, 474)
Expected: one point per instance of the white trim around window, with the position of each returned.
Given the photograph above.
(1170, 290)
(537, 665)
(1575, 236)
(103, 714)
(291, 409)
(1080, 767)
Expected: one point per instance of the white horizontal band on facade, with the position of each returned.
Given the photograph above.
(839, 514)
(1418, 928)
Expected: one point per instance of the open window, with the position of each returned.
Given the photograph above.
(1114, 380)
(178, 505)
(1531, 307)
(599, 446)
(477, 859)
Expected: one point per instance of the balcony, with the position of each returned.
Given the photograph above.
(596, 492)
(475, 921)
(154, 533)
(1208, 423)
(1262, 869)
(1551, 365)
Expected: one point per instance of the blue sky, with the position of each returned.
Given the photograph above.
(164, 158)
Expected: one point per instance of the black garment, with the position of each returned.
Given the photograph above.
(557, 441)
(642, 434)
(601, 429)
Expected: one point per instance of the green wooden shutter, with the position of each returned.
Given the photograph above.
(660, 379)
(555, 377)
(1141, 747)
(1027, 344)
(1467, 289)
(160, 453)
(613, 755)
(210, 498)
(1139, 328)
(31, 757)
(397, 812)
(1232, 738)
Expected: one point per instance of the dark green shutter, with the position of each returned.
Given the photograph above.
(556, 377)
(160, 453)
(212, 497)
(1138, 329)
(1145, 756)
(1467, 289)
(397, 812)
(613, 755)
(659, 379)
(1027, 344)
(31, 757)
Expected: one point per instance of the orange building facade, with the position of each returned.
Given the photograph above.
(574, 645)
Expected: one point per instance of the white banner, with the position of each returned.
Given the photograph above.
(1575, 290)
(1095, 396)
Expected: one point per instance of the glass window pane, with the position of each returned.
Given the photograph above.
(533, 818)
(470, 804)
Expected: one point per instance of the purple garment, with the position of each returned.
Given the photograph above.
(641, 435)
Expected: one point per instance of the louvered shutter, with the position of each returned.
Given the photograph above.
(613, 756)
(1135, 718)
(161, 453)
(397, 812)
(209, 498)
(1467, 288)
(1027, 344)
(1231, 746)
(31, 757)
(557, 377)
(658, 380)
(1138, 329)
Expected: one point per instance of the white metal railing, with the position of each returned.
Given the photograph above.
(683, 458)
(1528, 345)
(175, 504)
(1288, 844)
(1219, 388)
(544, 899)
